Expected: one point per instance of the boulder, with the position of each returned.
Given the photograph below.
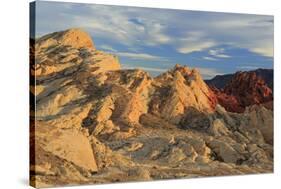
(224, 151)
(72, 146)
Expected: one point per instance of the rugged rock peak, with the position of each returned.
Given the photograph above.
(67, 51)
(182, 69)
(229, 102)
(184, 90)
(249, 89)
(181, 73)
(249, 80)
(244, 89)
(220, 81)
(76, 38)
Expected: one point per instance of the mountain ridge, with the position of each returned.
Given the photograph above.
(130, 126)
(220, 81)
(244, 89)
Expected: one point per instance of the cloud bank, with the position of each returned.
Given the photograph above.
(164, 35)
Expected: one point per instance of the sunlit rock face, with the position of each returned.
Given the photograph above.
(178, 91)
(97, 123)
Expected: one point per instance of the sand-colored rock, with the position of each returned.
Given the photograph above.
(224, 151)
(218, 128)
(184, 89)
(76, 38)
(56, 102)
(97, 123)
(74, 147)
(261, 118)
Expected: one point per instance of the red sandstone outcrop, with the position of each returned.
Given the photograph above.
(244, 89)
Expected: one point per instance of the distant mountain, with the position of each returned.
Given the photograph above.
(220, 81)
(266, 75)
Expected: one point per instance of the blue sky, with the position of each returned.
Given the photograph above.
(157, 39)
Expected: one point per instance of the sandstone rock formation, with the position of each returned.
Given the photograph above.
(220, 81)
(179, 91)
(243, 90)
(73, 37)
(97, 123)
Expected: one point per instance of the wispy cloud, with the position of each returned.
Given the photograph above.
(128, 26)
(208, 73)
(132, 26)
(194, 41)
(209, 58)
(266, 50)
(159, 35)
(247, 67)
(133, 55)
(195, 46)
(107, 48)
(253, 32)
(140, 56)
(218, 53)
(156, 35)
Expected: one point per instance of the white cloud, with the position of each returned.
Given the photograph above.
(218, 53)
(208, 73)
(195, 46)
(185, 31)
(156, 34)
(128, 26)
(194, 41)
(209, 58)
(253, 32)
(140, 56)
(248, 67)
(265, 50)
(107, 48)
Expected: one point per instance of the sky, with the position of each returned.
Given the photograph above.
(156, 39)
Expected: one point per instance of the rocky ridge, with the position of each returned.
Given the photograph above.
(220, 81)
(97, 123)
(243, 90)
